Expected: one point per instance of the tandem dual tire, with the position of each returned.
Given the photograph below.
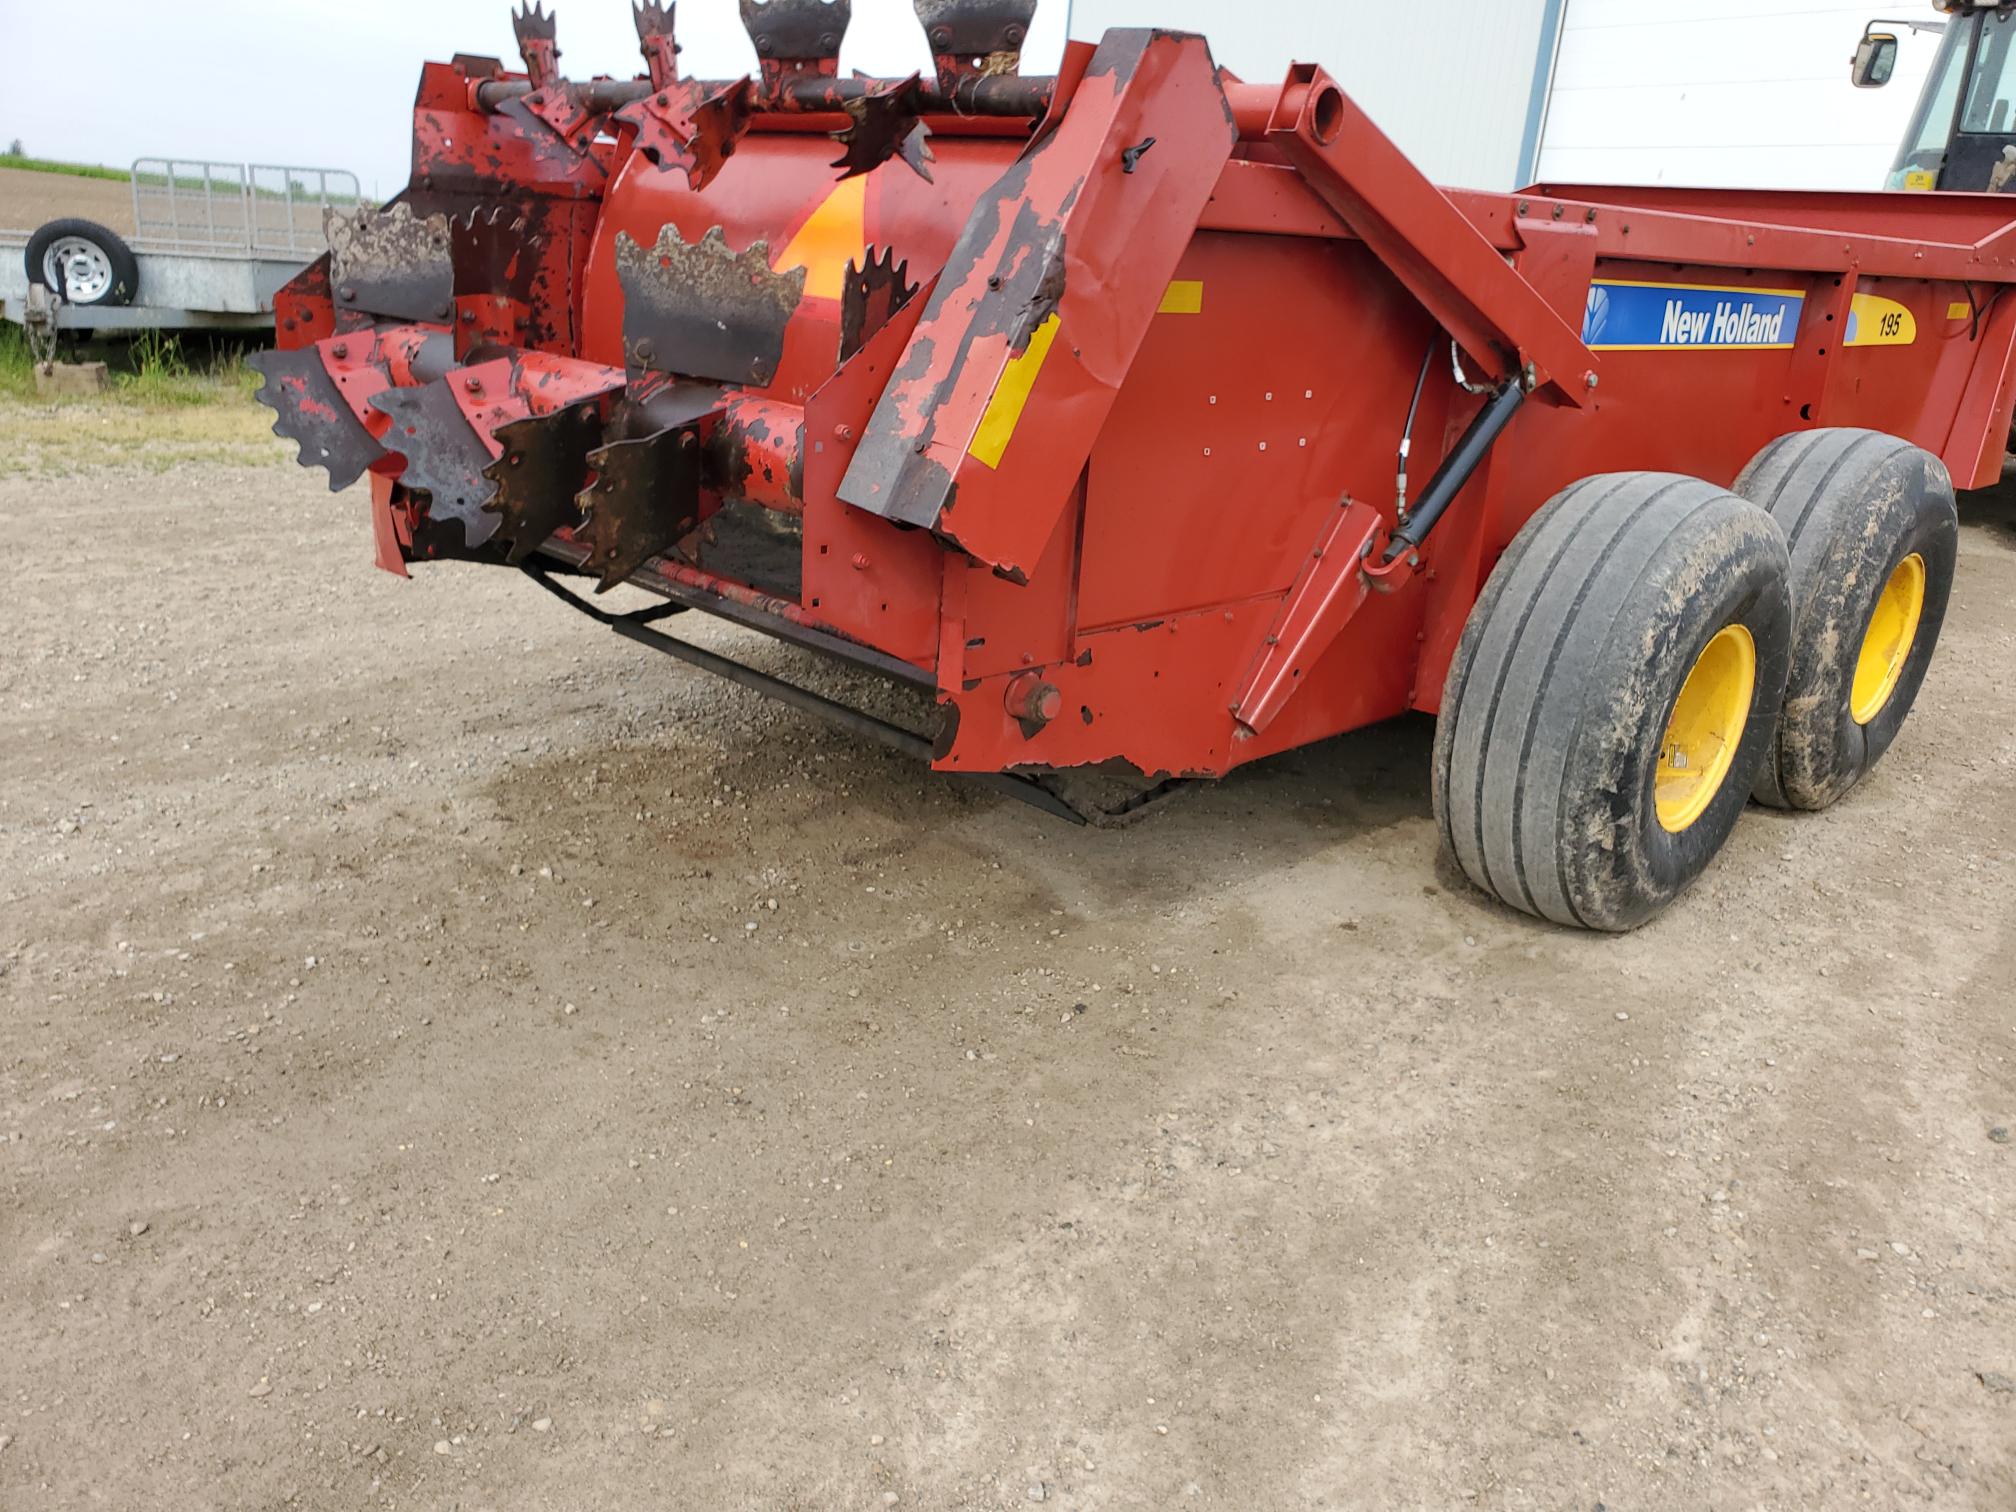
(1652, 651)
(1874, 536)
(1598, 737)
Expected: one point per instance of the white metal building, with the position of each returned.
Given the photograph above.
(1491, 94)
(1458, 83)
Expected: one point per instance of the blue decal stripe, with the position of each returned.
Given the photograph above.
(1627, 316)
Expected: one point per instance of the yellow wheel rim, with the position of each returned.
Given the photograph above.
(1886, 644)
(1705, 728)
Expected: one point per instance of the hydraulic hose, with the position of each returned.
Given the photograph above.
(1456, 468)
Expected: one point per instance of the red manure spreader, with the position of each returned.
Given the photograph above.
(1155, 420)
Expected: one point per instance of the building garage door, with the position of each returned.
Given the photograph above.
(1457, 83)
(1725, 93)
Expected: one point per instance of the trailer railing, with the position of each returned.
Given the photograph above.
(262, 209)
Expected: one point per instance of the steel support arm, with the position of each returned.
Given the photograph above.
(1500, 320)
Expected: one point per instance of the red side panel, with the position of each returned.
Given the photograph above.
(1044, 303)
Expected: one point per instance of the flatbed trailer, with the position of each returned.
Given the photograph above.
(1091, 403)
(212, 244)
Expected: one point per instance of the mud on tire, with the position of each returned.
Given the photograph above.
(1551, 761)
(1865, 515)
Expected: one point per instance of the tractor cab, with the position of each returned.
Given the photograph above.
(1962, 136)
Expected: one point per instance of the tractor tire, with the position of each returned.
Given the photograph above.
(1873, 532)
(83, 262)
(1610, 700)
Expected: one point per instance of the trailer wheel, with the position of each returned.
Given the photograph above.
(1609, 702)
(1874, 534)
(84, 262)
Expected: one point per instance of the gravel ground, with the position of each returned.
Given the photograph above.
(450, 1057)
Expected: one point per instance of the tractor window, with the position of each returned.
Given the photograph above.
(1991, 95)
(1924, 151)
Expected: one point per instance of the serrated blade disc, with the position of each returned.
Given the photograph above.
(309, 411)
(444, 457)
(698, 309)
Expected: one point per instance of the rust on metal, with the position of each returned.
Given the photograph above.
(972, 38)
(495, 260)
(691, 126)
(537, 43)
(539, 472)
(552, 104)
(698, 309)
(994, 97)
(655, 25)
(538, 416)
(645, 496)
(303, 310)
(869, 296)
(390, 262)
(494, 251)
(795, 37)
(755, 452)
(556, 121)
(719, 121)
(886, 122)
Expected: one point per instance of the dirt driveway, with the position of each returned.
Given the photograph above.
(450, 1057)
(28, 199)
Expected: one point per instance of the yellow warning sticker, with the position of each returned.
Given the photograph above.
(1011, 396)
(1875, 321)
(1920, 180)
(1959, 309)
(1183, 297)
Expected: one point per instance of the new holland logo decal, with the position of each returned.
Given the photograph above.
(1641, 317)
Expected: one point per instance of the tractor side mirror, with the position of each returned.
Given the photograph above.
(1875, 60)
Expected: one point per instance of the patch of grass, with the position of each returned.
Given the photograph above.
(45, 440)
(159, 374)
(303, 190)
(165, 405)
(75, 170)
(17, 371)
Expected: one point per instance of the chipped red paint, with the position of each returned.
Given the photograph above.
(1078, 231)
(973, 39)
(796, 39)
(303, 310)
(754, 598)
(891, 598)
(756, 453)
(657, 40)
(689, 126)
(1164, 563)
(537, 43)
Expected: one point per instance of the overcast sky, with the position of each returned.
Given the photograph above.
(329, 83)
